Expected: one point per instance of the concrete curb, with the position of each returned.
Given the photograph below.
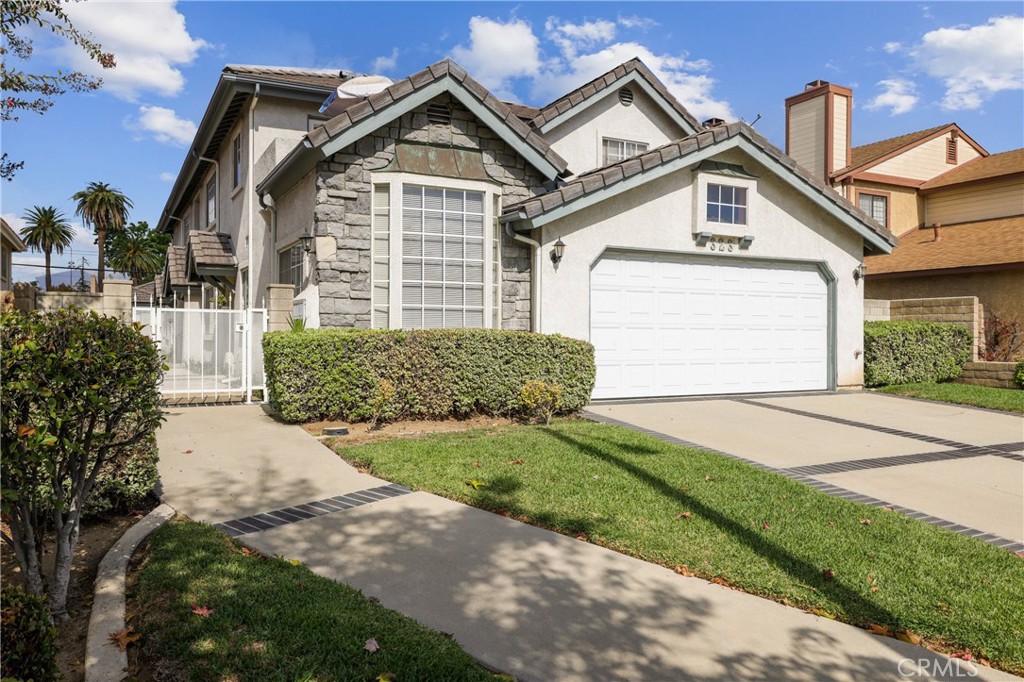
(103, 661)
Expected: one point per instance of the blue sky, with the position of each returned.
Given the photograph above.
(912, 66)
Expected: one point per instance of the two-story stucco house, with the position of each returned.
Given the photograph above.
(697, 258)
(958, 211)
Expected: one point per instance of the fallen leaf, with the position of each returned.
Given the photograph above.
(823, 613)
(908, 637)
(582, 537)
(830, 523)
(26, 431)
(683, 515)
(122, 638)
(708, 478)
(250, 552)
(765, 526)
(386, 677)
(828, 574)
(865, 522)
(187, 452)
(202, 611)
(888, 508)
(476, 484)
(477, 464)
(371, 645)
(682, 569)
(882, 630)
(518, 461)
(944, 607)
(301, 586)
(684, 487)
(874, 583)
(295, 562)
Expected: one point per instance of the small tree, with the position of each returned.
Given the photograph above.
(137, 250)
(78, 390)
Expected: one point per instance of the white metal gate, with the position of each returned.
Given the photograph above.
(213, 355)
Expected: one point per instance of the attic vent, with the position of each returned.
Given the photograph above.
(626, 96)
(439, 113)
(951, 148)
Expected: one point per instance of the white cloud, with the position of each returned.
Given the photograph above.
(498, 52)
(898, 95)
(974, 62)
(149, 41)
(168, 176)
(571, 38)
(636, 22)
(164, 125)
(892, 47)
(388, 63)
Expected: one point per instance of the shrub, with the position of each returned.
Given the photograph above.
(1004, 338)
(436, 373)
(910, 352)
(540, 400)
(1018, 375)
(125, 480)
(79, 393)
(30, 639)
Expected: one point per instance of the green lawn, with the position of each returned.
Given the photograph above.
(274, 621)
(1006, 399)
(724, 519)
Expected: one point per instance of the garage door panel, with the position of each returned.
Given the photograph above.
(671, 325)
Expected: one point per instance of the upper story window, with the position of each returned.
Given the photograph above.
(236, 161)
(876, 206)
(435, 254)
(618, 150)
(290, 262)
(727, 204)
(211, 201)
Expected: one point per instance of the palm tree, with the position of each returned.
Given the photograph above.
(138, 251)
(104, 208)
(47, 230)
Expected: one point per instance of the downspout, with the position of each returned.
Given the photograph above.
(216, 185)
(251, 247)
(535, 284)
(272, 209)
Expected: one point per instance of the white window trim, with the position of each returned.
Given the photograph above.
(302, 267)
(615, 137)
(700, 205)
(211, 224)
(396, 181)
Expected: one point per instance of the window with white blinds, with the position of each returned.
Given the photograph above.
(443, 260)
(875, 206)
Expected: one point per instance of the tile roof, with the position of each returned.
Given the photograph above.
(607, 80)
(868, 153)
(610, 175)
(523, 111)
(174, 267)
(986, 242)
(328, 79)
(982, 168)
(211, 249)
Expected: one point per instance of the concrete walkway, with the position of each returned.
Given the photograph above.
(526, 601)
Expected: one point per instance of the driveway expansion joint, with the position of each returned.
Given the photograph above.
(797, 474)
(255, 523)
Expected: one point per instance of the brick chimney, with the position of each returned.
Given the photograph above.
(818, 128)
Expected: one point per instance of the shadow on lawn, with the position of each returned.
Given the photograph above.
(853, 603)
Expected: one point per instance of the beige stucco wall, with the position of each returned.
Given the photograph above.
(657, 216)
(1000, 291)
(840, 122)
(578, 140)
(925, 161)
(996, 199)
(906, 206)
(807, 135)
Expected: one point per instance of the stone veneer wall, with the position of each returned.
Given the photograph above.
(992, 374)
(343, 211)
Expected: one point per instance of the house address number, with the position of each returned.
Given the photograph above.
(724, 244)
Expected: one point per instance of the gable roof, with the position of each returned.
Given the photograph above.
(602, 183)
(362, 118)
(985, 243)
(868, 155)
(237, 83)
(983, 168)
(632, 71)
(17, 245)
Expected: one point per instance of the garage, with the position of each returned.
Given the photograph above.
(672, 325)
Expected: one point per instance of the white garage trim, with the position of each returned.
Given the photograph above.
(686, 280)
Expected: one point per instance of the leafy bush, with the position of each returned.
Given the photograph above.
(540, 400)
(436, 373)
(79, 393)
(1018, 375)
(124, 481)
(911, 352)
(30, 639)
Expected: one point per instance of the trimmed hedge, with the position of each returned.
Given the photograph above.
(362, 374)
(29, 650)
(1018, 374)
(899, 352)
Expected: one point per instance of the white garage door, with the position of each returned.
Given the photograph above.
(665, 325)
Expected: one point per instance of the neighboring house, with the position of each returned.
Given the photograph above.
(698, 258)
(10, 243)
(957, 210)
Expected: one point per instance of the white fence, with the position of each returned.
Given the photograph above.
(213, 355)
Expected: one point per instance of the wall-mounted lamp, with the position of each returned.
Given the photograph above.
(558, 252)
(859, 271)
(307, 241)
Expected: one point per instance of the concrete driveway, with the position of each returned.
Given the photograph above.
(956, 466)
